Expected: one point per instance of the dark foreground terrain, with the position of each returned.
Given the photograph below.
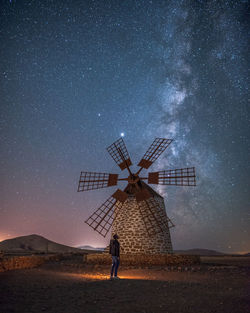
(220, 284)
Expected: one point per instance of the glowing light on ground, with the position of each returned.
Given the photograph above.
(101, 276)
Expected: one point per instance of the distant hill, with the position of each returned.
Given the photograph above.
(34, 243)
(91, 248)
(198, 252)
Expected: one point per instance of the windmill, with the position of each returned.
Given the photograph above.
(137, 214)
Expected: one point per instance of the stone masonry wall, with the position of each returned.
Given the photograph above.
(132, 232)
(19, 262)
(144, 260)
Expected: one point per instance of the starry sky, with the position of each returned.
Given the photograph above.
(74, 75)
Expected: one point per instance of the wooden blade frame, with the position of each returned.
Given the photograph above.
(119, 153)
(92, 180)
(177, 177)
(162, 215)
(154, 219)
(102, 219)
(154, 151)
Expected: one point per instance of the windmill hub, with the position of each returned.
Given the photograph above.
(133, 179)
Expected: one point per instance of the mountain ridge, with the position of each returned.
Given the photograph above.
(35, 243)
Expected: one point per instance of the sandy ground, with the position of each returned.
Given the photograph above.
(218, 285)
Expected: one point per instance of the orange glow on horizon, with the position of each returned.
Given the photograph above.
(5, 236)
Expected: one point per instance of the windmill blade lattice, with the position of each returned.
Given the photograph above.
(93, 180)
(177, 177)
(161, 214)
(119, 153)
(101, 220)
(154, 219)
(158, 146)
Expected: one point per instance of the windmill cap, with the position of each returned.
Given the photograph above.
(115, 236)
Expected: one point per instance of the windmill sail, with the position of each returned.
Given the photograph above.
(119, 153)
(101, 220)
(177, 177)
(154, 151)
(93, 180)
(155, 220)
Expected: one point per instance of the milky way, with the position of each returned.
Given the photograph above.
(75, 76)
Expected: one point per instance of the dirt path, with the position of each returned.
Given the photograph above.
(74, 288)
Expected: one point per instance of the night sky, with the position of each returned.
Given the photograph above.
(77, 74)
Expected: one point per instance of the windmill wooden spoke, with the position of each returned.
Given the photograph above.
(93, 180)
(154, 151)
(119, 153)
(177, 177)
(101, 220)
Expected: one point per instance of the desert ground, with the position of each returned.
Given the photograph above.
(219, 284)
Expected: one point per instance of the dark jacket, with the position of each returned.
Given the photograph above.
(114, 247)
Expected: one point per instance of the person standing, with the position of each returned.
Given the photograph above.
(114, 250)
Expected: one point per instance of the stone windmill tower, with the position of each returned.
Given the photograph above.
(137, 214)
